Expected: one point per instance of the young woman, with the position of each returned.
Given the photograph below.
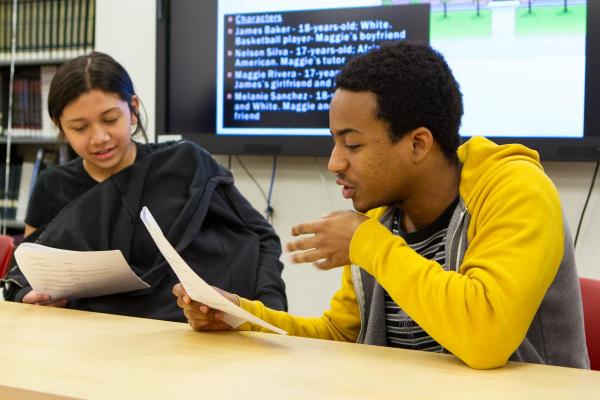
(94, 201)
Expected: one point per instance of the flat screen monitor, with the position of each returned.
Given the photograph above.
(256, 77)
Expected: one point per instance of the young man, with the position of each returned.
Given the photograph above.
(462, 249)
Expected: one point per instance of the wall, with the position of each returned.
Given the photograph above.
(126, 29)
(304, 190)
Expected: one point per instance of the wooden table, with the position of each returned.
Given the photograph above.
(52, 353)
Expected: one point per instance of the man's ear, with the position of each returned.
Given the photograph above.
(422, 143)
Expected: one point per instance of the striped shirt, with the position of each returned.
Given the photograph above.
(429, 242)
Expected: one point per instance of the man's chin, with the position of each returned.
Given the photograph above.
(360, 207)
(363, 206)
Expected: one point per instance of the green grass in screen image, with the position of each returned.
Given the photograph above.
(461, 24)
(551, 20)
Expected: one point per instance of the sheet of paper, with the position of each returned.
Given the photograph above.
(76, 274)
(195, 286)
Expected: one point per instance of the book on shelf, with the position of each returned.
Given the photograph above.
(22, 179)
(47, 32)
(47, 72)
(9, 193)
(47, 29)
(24, 191)
(4, 34)
(30, 118)
(3, 103)
(37, 167)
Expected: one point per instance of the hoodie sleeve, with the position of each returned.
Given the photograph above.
(515, 244)
(341, 322)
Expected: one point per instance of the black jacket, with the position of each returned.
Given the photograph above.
(193, 199)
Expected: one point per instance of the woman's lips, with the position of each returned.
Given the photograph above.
(104, 154)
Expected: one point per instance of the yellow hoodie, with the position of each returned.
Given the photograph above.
(480, 312)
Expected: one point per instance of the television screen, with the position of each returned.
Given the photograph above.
(257, 76)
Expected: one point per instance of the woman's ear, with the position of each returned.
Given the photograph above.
(134, 107)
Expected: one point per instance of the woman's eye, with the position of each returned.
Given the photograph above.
(111, 121)
(79, 129)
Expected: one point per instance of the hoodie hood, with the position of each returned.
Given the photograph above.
(481, 159)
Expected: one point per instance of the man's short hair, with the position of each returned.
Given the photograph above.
(414, 88)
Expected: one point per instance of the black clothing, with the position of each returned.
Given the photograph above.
(58, 186)
(193, 199)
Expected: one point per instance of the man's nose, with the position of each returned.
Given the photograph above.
(337, 161)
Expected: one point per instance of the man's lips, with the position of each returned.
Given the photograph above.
(342, 182)
(347, 188)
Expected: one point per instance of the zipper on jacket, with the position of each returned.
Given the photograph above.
(360, 299)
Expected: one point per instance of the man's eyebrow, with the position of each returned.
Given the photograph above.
(344, 131)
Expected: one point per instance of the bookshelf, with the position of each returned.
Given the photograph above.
(36, 37)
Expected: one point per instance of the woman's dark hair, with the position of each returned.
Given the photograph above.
(414, 88)
(93, 71)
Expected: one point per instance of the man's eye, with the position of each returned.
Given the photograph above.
(352, 146)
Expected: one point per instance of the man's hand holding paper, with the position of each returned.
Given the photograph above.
(196, 288)
(200, 316)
